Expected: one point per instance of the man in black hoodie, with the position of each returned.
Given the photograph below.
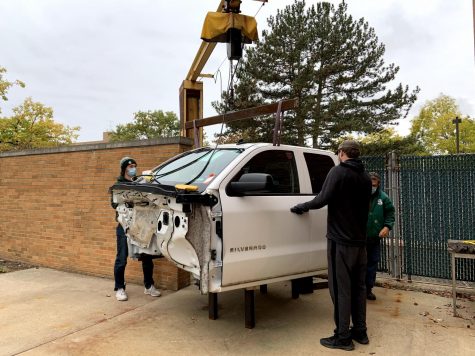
(347, 192)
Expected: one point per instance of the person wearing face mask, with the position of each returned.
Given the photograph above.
(128, 173)
(346, 191)
(380, 222)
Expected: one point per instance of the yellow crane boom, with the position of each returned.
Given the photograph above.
(191, 90)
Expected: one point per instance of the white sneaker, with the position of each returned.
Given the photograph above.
(121, 295)
(154, 292)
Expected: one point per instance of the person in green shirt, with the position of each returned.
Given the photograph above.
(380, 222)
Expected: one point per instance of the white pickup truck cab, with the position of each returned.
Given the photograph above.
(223, 214)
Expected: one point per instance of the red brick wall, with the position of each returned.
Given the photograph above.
(56, 207)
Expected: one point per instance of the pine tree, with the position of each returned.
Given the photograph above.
(332, 63)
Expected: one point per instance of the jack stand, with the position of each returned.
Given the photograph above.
(250, 317)
(295, 288)
(213, 306)
(302, 285)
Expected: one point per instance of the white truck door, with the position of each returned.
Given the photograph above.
(262, 239)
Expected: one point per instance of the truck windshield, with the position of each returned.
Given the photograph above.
(198, 167)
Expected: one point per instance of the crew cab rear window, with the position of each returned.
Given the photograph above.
(318, 168)
(280, 165)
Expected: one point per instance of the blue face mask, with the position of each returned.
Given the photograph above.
(132, 172)
(373, 190)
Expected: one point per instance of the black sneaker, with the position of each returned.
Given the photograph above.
(360, 337)
(370, 296)
(334, 342)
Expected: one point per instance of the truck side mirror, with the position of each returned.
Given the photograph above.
(251, 183)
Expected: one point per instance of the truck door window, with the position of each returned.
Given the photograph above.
(280, 165)
(318, 168)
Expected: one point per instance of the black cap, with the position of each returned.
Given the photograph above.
(349, 144)
(351, 148)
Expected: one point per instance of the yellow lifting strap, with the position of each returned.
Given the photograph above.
(186, 187)
(217, 24)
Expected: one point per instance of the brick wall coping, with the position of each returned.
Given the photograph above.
(100, 146)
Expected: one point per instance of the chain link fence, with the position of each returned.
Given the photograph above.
(434, 199)
(437, 205)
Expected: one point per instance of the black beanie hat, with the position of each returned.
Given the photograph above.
(124, 162)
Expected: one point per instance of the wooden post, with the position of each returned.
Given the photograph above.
(457, 121)
(191, 108)
(249, 113)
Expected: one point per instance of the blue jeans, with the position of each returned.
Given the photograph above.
(374, 255)
(121, 262)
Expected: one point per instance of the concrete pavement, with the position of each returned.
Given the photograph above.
(48, 312)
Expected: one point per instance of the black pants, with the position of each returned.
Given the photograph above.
(346, 281)
(121, 262)
(374, 255)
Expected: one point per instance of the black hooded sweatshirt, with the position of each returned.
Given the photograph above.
(347, 192)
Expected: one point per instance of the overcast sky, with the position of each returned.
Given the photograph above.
(96, 62)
